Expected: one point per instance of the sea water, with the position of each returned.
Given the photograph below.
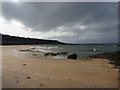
(82, 51)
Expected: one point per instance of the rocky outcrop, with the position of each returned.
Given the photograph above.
(55, 53)
(114, 57)
(50, 54)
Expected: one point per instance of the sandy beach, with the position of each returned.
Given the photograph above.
(26, 71)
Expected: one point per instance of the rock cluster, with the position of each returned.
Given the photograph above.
(71, 56)
(55, 54)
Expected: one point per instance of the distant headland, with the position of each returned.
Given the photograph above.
(15, 40)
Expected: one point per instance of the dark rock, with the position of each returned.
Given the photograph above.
(41, 85)
(55, 53)
(69, 79)
(72, 56)
(63, 53)
(28, 77)
(24, 64)
(17, 81)
(46, 54)
(50, 54)
(25, 50)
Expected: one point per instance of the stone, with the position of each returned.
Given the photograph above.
(63, 53)
(46, 54)
(55, 53)
(24, 50)
(28, 77)
(41, 85)
(24, 64)
(72, 56)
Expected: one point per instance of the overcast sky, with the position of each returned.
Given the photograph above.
(74, 22)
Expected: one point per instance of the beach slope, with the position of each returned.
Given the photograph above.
(23, 71)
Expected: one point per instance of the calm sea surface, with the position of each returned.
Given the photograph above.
(81, 50)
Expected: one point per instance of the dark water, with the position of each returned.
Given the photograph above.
(82, 51)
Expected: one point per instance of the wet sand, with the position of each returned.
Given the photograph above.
(26, 71)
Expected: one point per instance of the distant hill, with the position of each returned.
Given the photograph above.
(14, 40)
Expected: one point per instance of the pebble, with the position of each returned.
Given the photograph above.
(69, 79)
(17, 81)
(24, 64)
(41, 85)
(28, 77)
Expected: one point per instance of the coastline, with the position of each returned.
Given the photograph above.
(24, 71)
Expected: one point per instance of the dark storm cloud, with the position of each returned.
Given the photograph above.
(97, 18)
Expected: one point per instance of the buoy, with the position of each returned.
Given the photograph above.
(94, 50)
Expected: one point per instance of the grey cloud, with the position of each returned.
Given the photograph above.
(46, 16)
(99, 18)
